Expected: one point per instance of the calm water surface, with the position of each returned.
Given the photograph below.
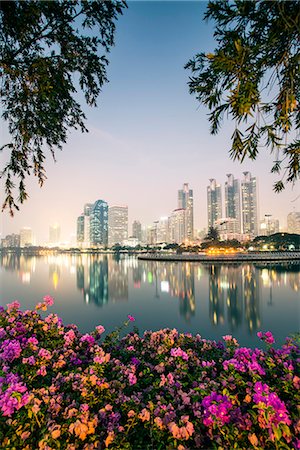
(212, 300)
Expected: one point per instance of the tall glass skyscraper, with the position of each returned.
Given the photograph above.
(117, 224)
(233, 202)
(250, 205)
(185, 201)
(99, 223)
(214, 202)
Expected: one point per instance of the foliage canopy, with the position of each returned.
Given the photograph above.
(253, 77)
(44, 46)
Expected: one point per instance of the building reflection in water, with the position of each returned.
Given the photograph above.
(24, 265)
(175, 279)
(234, 291)
(101, 279)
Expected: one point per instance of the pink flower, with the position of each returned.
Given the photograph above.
(100, 329)
(131, 318)
(15, 305)
(48, 300)
(266, 337)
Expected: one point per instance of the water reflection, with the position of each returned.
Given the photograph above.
(232, 296)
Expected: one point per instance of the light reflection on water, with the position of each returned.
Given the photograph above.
(212, 300)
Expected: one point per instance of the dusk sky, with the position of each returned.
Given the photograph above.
(147, 136)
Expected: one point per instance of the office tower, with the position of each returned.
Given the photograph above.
(99, 223)
(293, 222)
(137, 230)
(162, 230)
(185, 201)
(214, 202)
(249, 205)
(117, 224)
(87, 209)
(177, 226)
(233, 203)
(11, 240)
(26, 237)
(80, 229)
(54, 234)
(268, 226)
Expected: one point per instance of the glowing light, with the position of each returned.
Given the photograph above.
(164, 286)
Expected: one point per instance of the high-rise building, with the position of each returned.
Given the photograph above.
(185, 201)
(162, 233)
(99, 223)
(233, 202)
(214, 202)
(293, 222)
(177, 223)
(250, 217)
(26, 237)
(268, 226)
(87, 220)
(54, 234)
(80, 229)
(137, 230)
(117, 224)
(11, 240)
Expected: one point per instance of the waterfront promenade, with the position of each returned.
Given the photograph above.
(267, 257)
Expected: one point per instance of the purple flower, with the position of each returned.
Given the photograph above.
(216, 409)
(87, 338)
(179, 352)
(11, 349)
(266, 337)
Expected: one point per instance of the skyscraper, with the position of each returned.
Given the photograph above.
(26, 237)
(54, 234)
(214, 202)
(80, 229)
(249, 205)
(177, 226)
(185, 201)
(293, 222)
(137, 230)
(117, 224)
(233, 202)
(99, 223)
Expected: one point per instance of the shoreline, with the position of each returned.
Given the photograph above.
(230, 258)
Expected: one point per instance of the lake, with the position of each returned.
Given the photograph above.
(212, 300)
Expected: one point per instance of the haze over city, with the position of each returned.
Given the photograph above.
(147, 136)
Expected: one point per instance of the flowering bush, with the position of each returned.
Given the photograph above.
(60, 389)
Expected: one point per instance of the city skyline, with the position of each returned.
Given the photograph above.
(148, 136)
(106, 225)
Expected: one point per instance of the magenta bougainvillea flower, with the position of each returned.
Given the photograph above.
(164, 389)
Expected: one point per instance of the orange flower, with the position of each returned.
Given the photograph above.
(253, 439)
(55, 433)
(79, 429)
(109, 439)
(144, 415)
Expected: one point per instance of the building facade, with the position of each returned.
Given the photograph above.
(80, 229)
(177, 232)
(117, 224)
(99, 224)
(186, 202)
(54, 234)
(137, 230)
(26, 237)
(233, 203)
(214, 203)
(250, 208)
(293, 222)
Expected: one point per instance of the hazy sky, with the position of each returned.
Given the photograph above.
(147, 136)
